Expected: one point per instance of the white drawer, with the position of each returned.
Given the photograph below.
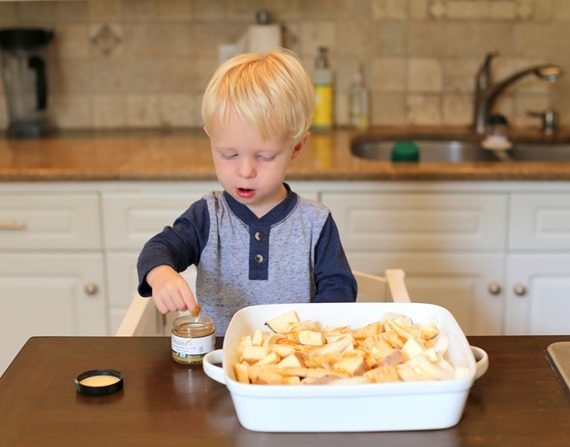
(131, 219)
(392, 221)
(49, 221)
(540, 221)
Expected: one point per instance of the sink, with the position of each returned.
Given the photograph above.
(557, 152)
(458, 151)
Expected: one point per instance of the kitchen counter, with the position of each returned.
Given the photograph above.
(185, 156)
(518, 402)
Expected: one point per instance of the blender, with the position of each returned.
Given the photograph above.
(23, 61)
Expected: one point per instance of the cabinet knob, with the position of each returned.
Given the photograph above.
(520, 290)
(494, 288)
(91, 288)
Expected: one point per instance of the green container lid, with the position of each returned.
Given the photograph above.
(405, 151)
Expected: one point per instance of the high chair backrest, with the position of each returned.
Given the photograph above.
(391, 287)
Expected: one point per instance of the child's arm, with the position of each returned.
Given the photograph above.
(333, 276)
(172, 251)
(170, 291)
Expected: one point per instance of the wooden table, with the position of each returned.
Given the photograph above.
(518, 402)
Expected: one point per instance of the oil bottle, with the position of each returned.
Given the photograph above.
(323, 84)
(359, 104)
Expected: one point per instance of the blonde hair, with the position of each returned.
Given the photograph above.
(265, 90)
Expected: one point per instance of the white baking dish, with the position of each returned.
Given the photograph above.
(347, 408)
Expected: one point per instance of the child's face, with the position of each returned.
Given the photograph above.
(249, 168)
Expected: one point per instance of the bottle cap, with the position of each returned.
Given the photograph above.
(98, 382)
(405, 151)
(262, 16)
(322, 58)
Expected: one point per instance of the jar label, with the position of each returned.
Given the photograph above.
(191, 348)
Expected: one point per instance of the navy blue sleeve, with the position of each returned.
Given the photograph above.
(178, 246)
(333, 276)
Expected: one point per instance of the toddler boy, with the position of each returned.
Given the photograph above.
(257, 242)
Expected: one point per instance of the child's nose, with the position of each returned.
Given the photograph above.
(246, 169)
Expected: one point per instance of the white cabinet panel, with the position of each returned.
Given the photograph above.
(50, 221)
(540, 221)
(372, 221)
(538, 294)
(459, 282)
(49, 294)
(132, 219)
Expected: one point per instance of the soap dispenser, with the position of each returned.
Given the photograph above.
(323, 84)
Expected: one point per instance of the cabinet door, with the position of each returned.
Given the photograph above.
(49, 294)
(538, 294)
(392, 221)
(463, 283)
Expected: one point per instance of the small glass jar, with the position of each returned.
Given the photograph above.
(192, 338)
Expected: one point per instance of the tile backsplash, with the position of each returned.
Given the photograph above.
(144, 63)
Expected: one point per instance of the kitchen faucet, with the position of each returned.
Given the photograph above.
(487, 92)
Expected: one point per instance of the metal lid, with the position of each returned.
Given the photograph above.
(24, 38)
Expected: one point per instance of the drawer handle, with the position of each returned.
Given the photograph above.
(13, 226)
(520, 290)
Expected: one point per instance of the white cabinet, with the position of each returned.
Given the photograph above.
(537, 294)
(451, 247)
(51, 268)
(498, 260)
(497, 254)
(538, 268)
(49, 294)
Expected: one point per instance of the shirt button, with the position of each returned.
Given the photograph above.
(259, 236)
(258, 259)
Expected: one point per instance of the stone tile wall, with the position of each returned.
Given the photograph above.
(145, 63)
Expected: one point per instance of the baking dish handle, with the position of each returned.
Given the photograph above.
(212, 370)
(481, 361)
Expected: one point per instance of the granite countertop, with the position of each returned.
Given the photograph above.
(185, 156)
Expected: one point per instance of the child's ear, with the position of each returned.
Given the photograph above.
(299, 146)
(206, 130)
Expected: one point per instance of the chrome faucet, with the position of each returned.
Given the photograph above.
(487, 92)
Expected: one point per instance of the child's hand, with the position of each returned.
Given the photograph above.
(170, 291)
